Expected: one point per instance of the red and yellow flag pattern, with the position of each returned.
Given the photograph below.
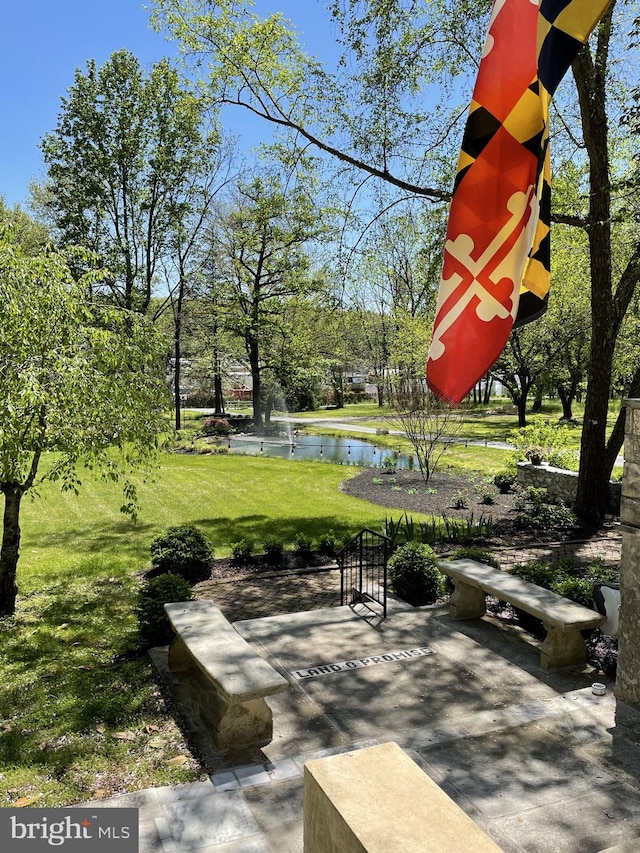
(496, 257)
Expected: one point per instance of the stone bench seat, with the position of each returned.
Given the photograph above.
(377, 800)
(563, 619)
(227, 679)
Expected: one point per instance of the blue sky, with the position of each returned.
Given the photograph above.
(43, 43)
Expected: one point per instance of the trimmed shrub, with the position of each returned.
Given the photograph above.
(413, 573)
(328, 544)
(476, 554)
(302, 545)
(274, 549)
(241, 551)
(153, 623)
(505, 482)
(183, 550)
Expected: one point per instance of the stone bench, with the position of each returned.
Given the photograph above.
(227, 680)
(377, 800)
(563, 619)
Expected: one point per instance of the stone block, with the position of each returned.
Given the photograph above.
(222, 679)
(632, 447)
(467, 602)
(379, 801)
(562, 648)
(231, 724)
(630, 511)
(628, 675)
(631, 479)
(632, 420)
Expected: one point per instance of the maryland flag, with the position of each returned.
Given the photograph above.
(496, 255)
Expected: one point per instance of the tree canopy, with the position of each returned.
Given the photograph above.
(79, 382)
(123, 165)
(392, 109)
(385, 108)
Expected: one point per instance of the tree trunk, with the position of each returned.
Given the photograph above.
(218, 395)
(592, 498)
(521, 403)
(254, 363)
(176, 377)
(616, 439)
(536, 408)
(566, 398)
(10, 549)
(267, 409)
(177, 348)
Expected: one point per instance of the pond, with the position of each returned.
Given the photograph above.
(322, 448)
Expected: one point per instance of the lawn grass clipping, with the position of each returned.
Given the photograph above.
(81, 716)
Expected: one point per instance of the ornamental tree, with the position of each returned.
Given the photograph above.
(80, 386)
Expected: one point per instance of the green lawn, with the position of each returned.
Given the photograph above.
(80, 712)
(230, 496)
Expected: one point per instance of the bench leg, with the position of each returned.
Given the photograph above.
(466, 602)
(231, 726)
(242, 724)
(562, 647)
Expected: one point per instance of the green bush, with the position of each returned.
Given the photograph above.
(476, 554)
(153, 623)
(557, 440)
(241, 551)
(579, 590)
(505, 482)
(537, 512)
(274, 549)
(487, 493)
(302, 545)
(413, 573)
(541, 574)
(328, 544)
(530, 497)
(566, 578)
(183, 550)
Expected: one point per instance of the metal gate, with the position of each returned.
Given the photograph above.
(363, 569)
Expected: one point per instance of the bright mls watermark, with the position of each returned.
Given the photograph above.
(81, 830)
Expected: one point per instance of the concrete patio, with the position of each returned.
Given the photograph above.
(536, 759)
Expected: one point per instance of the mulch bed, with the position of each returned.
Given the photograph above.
(227, 568)
(406, 492)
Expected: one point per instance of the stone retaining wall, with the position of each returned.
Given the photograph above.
(628, 680)
(560, 483)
